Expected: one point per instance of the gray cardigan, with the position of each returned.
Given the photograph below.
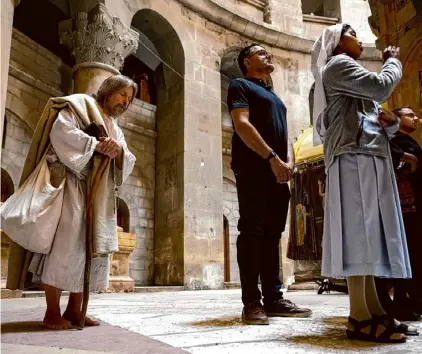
(351, 115)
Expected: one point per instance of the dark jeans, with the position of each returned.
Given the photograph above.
(263, 207)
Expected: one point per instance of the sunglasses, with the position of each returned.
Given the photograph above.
(260, 52)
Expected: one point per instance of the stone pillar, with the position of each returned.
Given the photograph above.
(99, 42)
(7, 9)
(120, 281)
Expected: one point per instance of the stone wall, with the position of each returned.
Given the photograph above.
(35, 75)
(356, 13)
(15, 146)
(138, 125)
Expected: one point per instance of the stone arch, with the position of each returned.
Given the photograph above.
(229, 70)
(7, 186)
(231, 215)
(169, 187)
(123, 215)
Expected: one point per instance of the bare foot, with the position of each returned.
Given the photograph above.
(56, 322)
(75, 319)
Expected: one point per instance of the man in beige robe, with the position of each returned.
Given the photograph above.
(71, 156)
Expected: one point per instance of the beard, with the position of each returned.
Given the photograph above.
(119, 109)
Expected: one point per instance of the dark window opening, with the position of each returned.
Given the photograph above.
(323, 8)
(123, 215)
(3, 139)
(143, 76)
(7, 187)
(226, 249)
(39, 20)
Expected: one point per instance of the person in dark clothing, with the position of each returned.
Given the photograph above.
(407, 160)
(262, 161)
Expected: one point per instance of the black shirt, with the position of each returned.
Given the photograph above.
(400, 144)
(267, 113)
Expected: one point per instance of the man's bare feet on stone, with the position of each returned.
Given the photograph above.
(56, 322)
(75, 319)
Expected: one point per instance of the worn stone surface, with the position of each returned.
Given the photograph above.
(209, 322)
(22, 333)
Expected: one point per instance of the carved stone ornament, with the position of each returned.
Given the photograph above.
(268, 14)
(99, 37)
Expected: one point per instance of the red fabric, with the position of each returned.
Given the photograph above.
(406, 194)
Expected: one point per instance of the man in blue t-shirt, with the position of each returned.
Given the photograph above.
(262, 161)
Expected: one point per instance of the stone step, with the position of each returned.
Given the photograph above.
(231, 285)
(156, 289)
(10, 294)
(38, 293)
(138, 289)
(300, 286)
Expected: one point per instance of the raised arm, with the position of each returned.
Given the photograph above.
(344, 75)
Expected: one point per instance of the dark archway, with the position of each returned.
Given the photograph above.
(7, 186)
(144, 76)
(169, 187)
(311, 104)
(123, 215)
(226, 230)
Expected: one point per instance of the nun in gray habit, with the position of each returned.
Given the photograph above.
(363, 228)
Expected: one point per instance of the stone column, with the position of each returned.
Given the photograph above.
(7, 10)
(99, 42)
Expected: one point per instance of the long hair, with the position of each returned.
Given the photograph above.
(112, 84)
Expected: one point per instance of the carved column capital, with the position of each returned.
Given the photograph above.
(98, 37)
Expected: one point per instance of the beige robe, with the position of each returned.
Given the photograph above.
(61, 124)
(69, 158)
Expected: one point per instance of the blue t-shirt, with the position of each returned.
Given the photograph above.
(267, 113)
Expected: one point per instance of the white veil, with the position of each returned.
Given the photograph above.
(322, 50)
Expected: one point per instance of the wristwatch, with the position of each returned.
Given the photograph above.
(270, 156)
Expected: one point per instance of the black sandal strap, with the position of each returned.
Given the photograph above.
(359, 325)
(388, 323)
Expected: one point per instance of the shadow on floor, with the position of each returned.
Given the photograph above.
(24, 327)
(333, 335)
(335, 321)
(218, 322)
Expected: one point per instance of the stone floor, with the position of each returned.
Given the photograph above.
(195, 322)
